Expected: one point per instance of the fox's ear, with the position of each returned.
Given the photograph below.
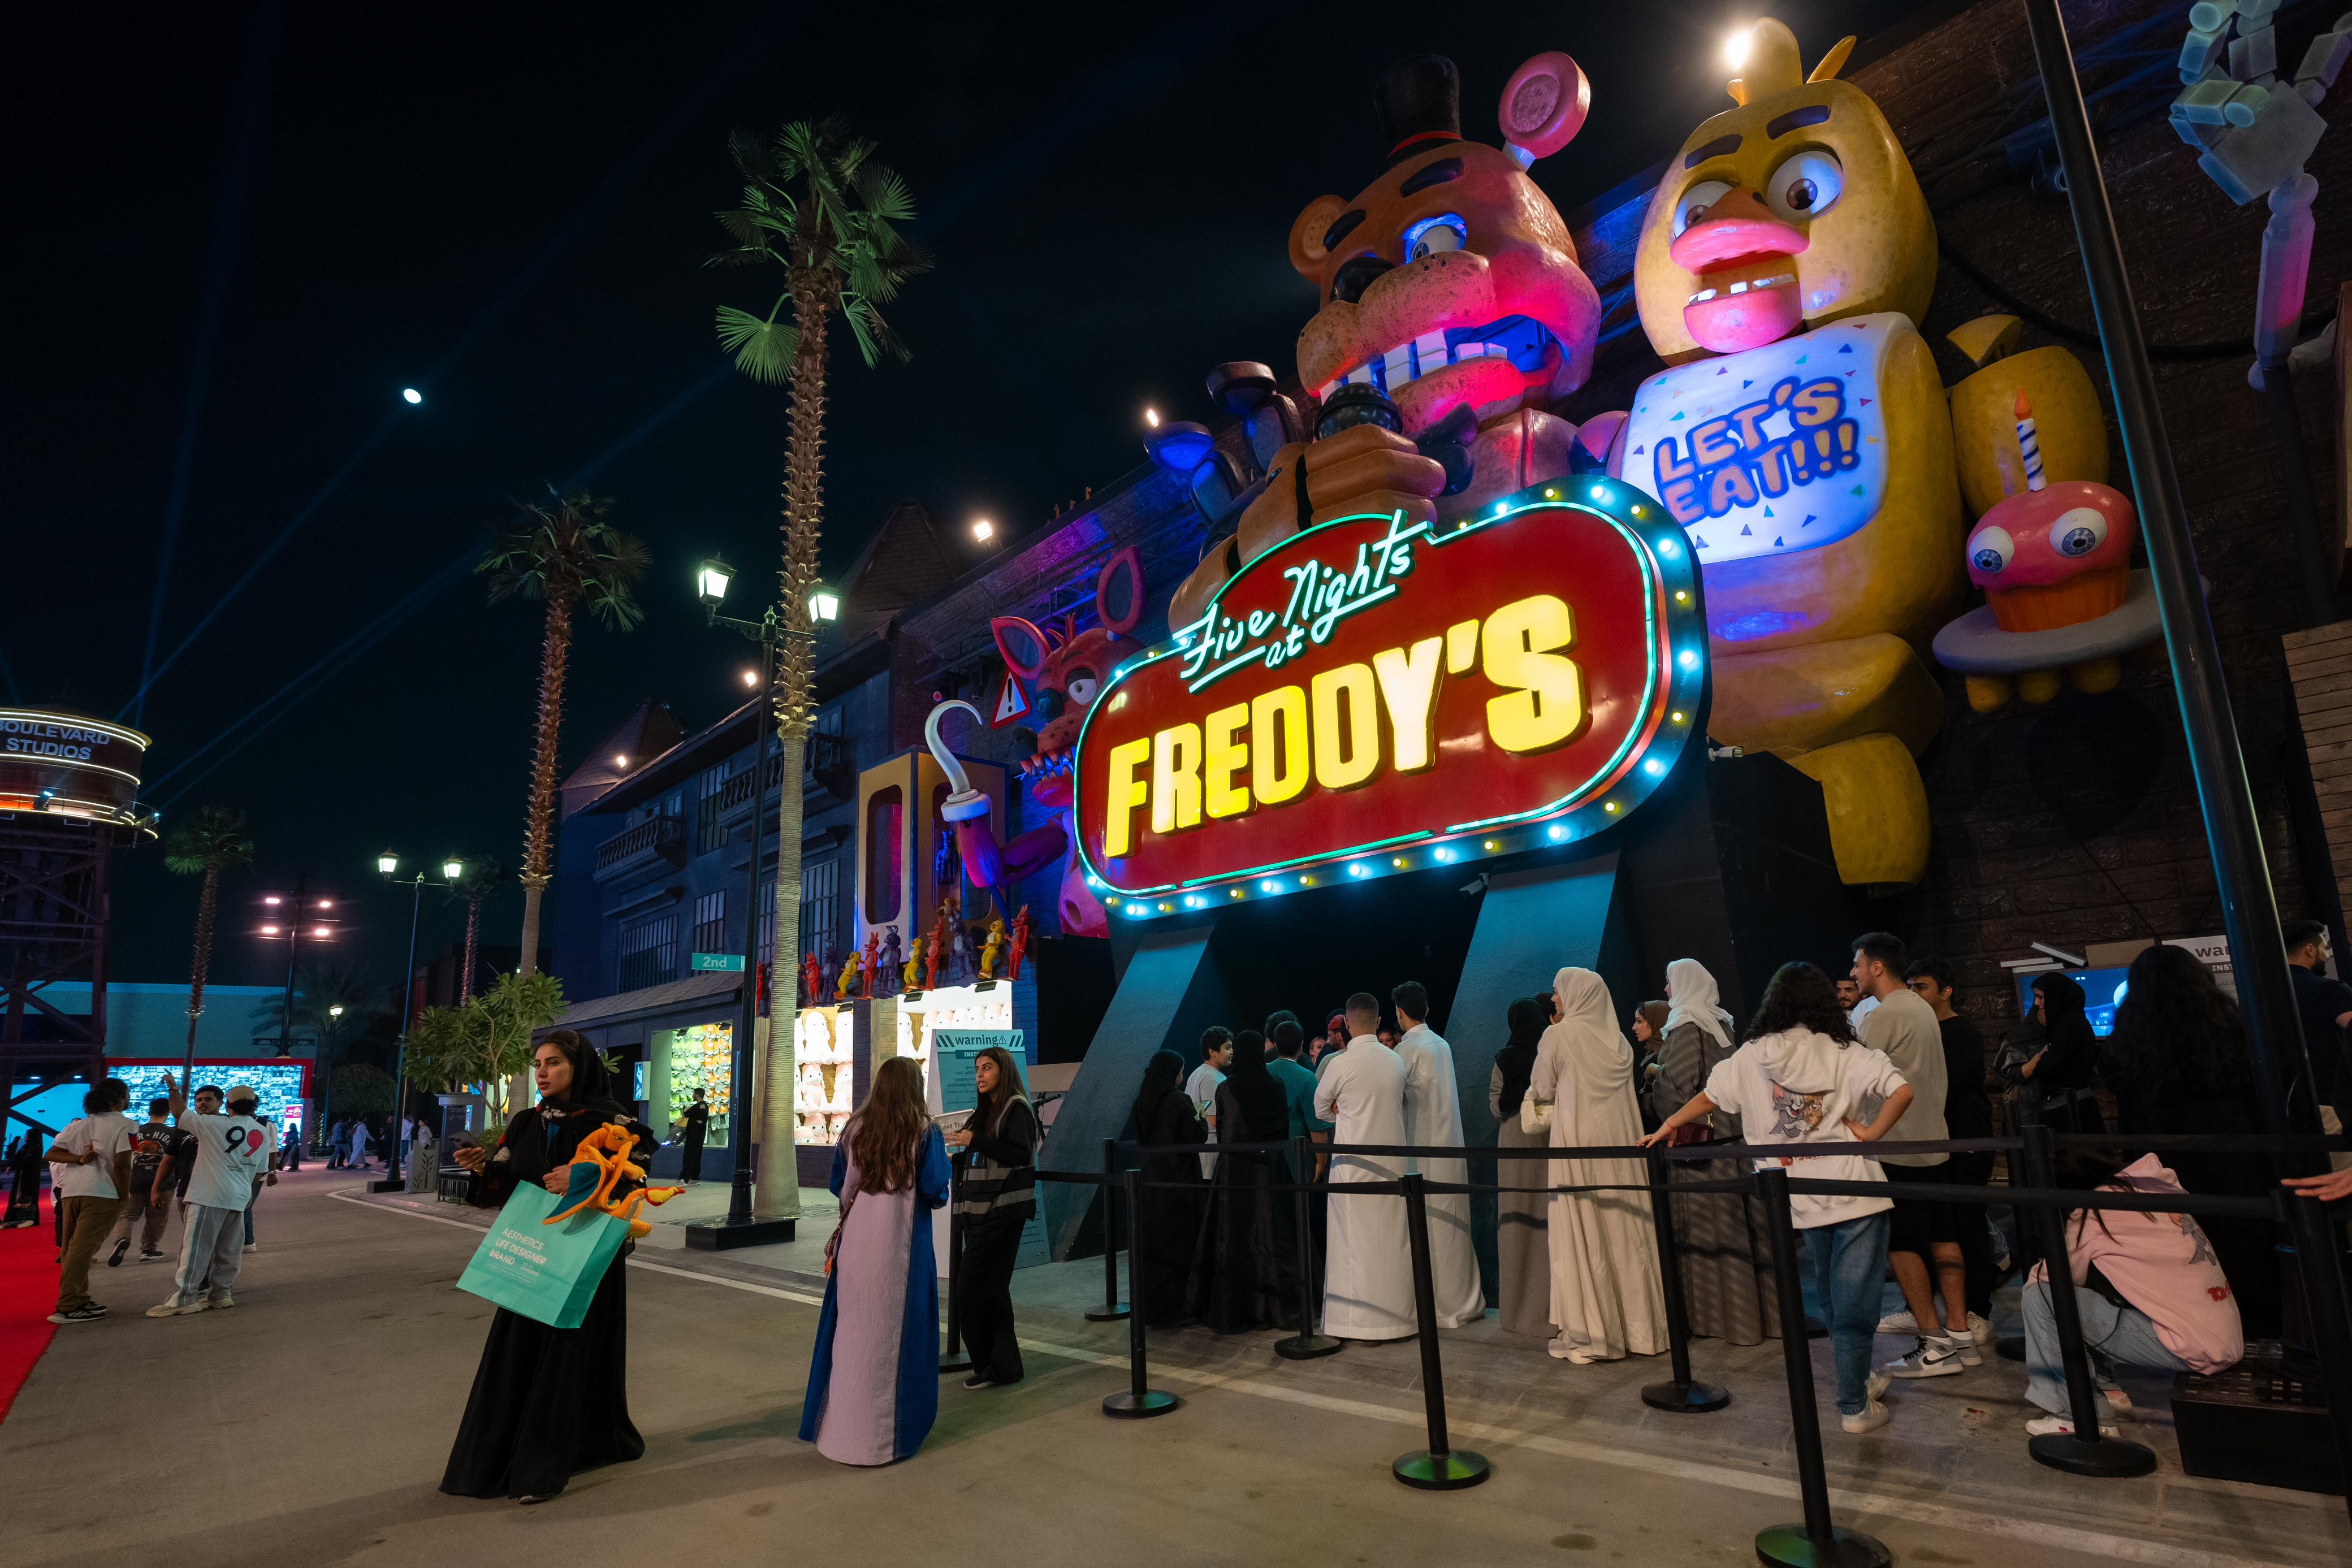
(1119, 593)
(1024, 647)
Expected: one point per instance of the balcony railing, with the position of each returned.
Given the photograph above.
(635, 849)
(825, 768)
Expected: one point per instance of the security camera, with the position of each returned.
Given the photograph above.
(1476, 885)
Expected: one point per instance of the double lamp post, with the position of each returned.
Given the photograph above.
(395, 1178)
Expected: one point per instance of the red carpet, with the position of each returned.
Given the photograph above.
(29, 1292)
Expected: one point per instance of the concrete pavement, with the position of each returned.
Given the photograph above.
(314, 1420)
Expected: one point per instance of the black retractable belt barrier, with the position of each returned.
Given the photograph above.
(1817, 1542)
(1440, 1467)
(1112, 1309)
(1306, 1343)
(2088, 1452)
(1141, 1399)
(1682, 1394)
(954, 1359)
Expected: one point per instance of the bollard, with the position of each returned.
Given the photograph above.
(1440, 1467)
(2089, 1452)
(954, 1359)
(1140, 1400)
(1817, 1542)
(1306, 1345)
(1681, 1395)
(1112, 1309)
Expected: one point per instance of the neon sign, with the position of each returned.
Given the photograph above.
(1371, 696)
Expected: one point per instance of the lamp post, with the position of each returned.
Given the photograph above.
(740, 1228)
(388, 863)
(326, 1073)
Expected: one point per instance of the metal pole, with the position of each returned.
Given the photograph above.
(2089, 1452)
(2282, 1075)
(1440, 1467)
(395, 1177)
(293, 937)
(1141, 1399)
(1307, 1345)
(1112, 1309)
(1682, 1394)
(739, 1109)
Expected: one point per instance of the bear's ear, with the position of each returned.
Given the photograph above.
(1024, 646)
(1119, 593)
(1315, 232)
(1544, 105)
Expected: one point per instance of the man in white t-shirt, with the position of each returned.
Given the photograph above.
(1217, 1055)
(231, 1151)
(92, 1154)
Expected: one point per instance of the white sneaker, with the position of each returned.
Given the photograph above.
(2060, 1427)
(1872, 1417)
(172, 1309)
(221, 1299)
(1898, 1322)
(1965, 1345)
(1879, 1383)
(1935, 1357)
(1979, 1330)
(2119, 1404)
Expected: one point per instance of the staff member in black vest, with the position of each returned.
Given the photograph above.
(698, 1123)
(998, 1148)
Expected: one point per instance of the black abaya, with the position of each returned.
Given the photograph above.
(547, 1402)
(1245, 1267)
(1170, 1226)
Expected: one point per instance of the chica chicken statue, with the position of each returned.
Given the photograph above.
(1803, 439)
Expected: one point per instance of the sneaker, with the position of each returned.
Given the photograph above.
(1874, 1415)
(172, 1309)
(220, 1300)
(114, 1258)
(153, 1256)
(1879, 1383)
(89, 1314)
(253, 1247)
(1965, 1345)
(1935, 1357)
(1898, 1322)
(978, 1380)
(1979, 1330)
(2060, 1427)
(2119, 1404)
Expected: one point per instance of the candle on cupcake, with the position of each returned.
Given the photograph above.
(2029, 444)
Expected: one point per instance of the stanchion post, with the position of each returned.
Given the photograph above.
(1141, 1399)
(1112, 1309)
(1817, 1542)
(1306, 1343)
(954, 1359)
(2089, 1452)
(1682, 1394)
(1440, 1466)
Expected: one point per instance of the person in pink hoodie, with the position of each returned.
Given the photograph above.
(2149, 1288)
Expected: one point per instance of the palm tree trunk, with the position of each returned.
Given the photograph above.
(206, 905)
(555, 655)
(777, 1195)
(473, 930)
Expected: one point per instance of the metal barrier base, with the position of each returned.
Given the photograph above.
(1449, 1471)
(1308, 1346)
(1788, 1546)
(955, 1361)
(1685, 1398)
(2079, 1456)
(1107, 1314)
(1136, 1406)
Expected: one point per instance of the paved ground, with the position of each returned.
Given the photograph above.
(313, 1421)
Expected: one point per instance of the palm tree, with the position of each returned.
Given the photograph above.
(816, 203)
(212, 841)
(333, 1003)
(480, 879)
(563, 551)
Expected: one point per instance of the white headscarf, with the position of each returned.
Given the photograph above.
(1691, 998)
(1583, 1062)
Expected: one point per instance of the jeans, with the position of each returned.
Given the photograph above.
(141, 1216)
(1849, 1272)
(2111, 1334)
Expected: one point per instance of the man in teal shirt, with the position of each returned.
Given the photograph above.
(1296, 1079)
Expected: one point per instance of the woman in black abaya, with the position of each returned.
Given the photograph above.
(2066, 1069)
(1245, 1269)
(1170, 1226)
(549, 1403)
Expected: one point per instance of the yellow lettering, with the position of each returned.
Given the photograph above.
(1408, 687)
(1223, 758)
(1548, 703)
(1461, 647)
(1342, 762)
(1176, 779)
(1281, 774)
(1124, 794)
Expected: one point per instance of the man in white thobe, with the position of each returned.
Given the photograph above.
(1217, 1055)
(1433, 1115)
(1368, 1267)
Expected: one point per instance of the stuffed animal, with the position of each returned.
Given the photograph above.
(598, 1168)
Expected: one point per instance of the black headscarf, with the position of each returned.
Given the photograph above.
(592, 1088)
(1528, 1018)
(1160, 1075)
(1266, 1108)
(2073, 1048)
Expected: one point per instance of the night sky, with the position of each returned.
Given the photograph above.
(238, 231)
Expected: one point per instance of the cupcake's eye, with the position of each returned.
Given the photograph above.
(2079, 530)
(1991, 549)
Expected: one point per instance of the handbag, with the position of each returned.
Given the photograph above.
(548, 1273)
(833, 1242)
(1690, 1133)
(1535, 1115)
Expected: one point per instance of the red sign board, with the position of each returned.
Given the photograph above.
(1375, 693)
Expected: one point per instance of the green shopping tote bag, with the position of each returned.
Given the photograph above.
(545, 1272)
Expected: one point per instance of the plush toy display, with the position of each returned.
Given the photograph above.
(910, 978)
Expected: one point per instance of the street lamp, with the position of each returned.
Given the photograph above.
(291, 925)
(388, 862)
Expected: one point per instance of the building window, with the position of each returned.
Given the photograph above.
(768, 920)
(885, 855)
(819, 885)
(711, 923)
(707, 834)
(649, 953)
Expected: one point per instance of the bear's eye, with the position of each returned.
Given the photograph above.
(2079, 530)
(1691, 208)
(1991, 549)
(1430, 236)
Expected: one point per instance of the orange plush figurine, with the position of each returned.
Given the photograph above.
(871, 966)
(1023, 927)
(601, 1164)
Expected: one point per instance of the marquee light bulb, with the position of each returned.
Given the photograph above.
(269, 931)
(322, 931)
(1738, 46)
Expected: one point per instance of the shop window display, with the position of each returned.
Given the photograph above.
(702, 1057)
(824, 1051)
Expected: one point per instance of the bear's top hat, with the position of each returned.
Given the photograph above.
(1420, 102)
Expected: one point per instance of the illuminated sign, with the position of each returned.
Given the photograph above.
(1370, 696)
(70, 766)
(1772, 451)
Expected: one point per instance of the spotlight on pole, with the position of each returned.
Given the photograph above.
(411, 396)
(1151, 417)
(983, 529)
